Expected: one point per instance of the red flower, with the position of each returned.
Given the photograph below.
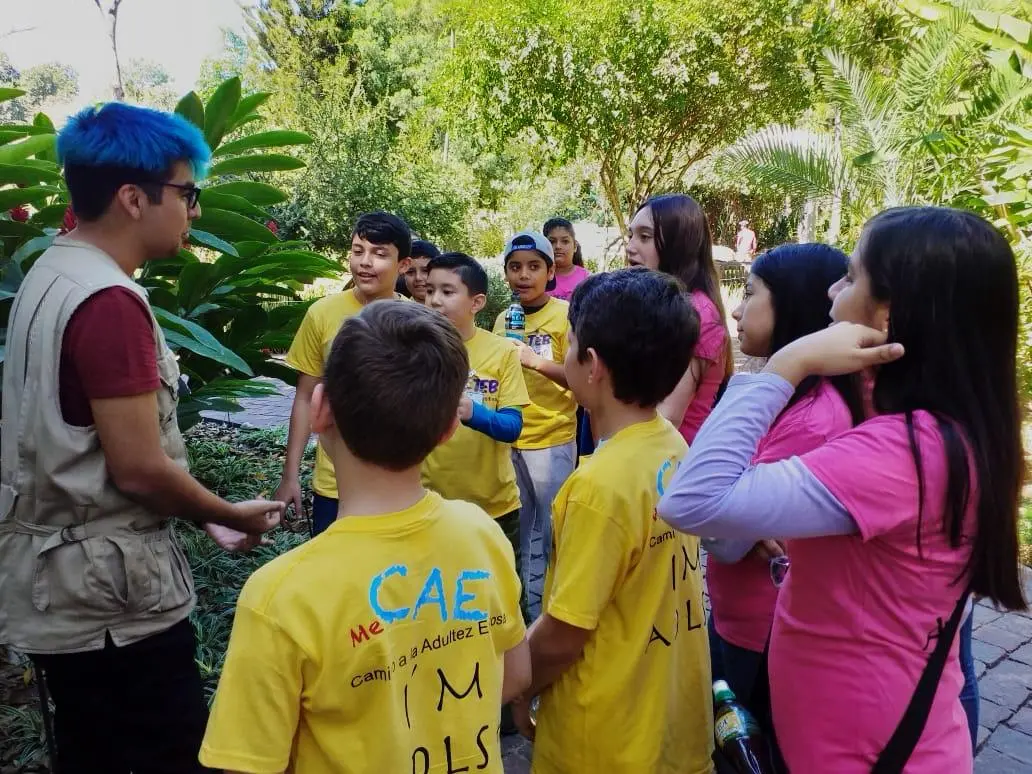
(69, 222)
(19, 214)
(271, 225)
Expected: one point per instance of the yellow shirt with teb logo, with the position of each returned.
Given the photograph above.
(376, 647)
(639, 698)
(470, 465)
(551, 418)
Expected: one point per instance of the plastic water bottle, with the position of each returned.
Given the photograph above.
(515, 319)
(737, 734)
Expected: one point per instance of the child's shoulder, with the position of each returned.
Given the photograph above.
(335, 305)
(492, 343)
(277, 579)
(466, 522)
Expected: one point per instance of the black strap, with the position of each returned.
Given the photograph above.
(905, 738)
(901, 745)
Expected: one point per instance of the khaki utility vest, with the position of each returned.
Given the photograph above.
(78, 559)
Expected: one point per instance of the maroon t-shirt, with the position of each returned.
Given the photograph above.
(107, 352)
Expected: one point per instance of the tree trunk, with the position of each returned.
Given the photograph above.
(835, 223)
(808, 221)
(118, 89)
(609, 177)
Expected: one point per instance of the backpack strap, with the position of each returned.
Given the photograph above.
(907, 734)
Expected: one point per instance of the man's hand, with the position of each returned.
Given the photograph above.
(234, 541)
(257, 516)
(465, 408)
(289, 493)
(528, 357)
(521, 717)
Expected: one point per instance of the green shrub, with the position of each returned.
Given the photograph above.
(237, 464)
(499, 295)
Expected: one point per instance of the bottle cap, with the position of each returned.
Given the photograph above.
(722, 691)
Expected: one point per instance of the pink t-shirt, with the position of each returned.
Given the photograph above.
(742, 594)
(857, 618)
(712, 346)
(565, 283)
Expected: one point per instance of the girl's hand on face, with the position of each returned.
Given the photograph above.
(842, 348)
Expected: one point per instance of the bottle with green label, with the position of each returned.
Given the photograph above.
(737, 734)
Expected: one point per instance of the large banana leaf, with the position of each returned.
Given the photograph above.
(210, 303)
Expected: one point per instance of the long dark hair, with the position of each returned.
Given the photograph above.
(798, 277)
(685, 250)
(553, 223)
(951, 283)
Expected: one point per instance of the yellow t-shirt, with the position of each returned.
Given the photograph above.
(471, 466)
(639, 699)
(308, 353)
(551, 418)
(378, 646)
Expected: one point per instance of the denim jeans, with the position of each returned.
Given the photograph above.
(539, 475)
(969, 693)
(324, 513)
(737, 666)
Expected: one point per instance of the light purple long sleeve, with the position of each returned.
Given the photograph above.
(716, 493)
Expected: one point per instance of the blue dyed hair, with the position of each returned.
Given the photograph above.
(139, 138)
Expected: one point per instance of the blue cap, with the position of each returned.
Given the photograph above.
(531, 240)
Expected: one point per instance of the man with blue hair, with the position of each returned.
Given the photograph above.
(95, 586)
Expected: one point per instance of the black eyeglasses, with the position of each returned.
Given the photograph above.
(193, 193)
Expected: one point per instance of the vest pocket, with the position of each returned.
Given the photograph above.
(110, 575)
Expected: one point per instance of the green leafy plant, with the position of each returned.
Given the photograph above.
(237, 464)
(213, 299)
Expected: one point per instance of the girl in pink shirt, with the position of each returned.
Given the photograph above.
(891, 523)
(786, 297)
(670, 233)
(568, 272)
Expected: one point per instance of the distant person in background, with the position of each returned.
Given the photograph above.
(568, 272)
(417, 272)
(671, 234)
(745, 241)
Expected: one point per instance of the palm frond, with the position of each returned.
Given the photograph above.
(796, 161)
(935, 69)
(864, 100)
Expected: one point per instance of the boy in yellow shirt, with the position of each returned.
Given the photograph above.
(546, 452)
(380, 248)
(620, 656)
(475, 464)
(390, 642)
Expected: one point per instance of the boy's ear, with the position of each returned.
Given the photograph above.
(403, 265)
(597, 369)
(551, 271)
(479, 302)
(451, 428)
(320, 415)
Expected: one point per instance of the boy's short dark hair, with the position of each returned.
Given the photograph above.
(472, 274)
(643, 328)
(383, 228)
(423, 249)
(393, 379)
